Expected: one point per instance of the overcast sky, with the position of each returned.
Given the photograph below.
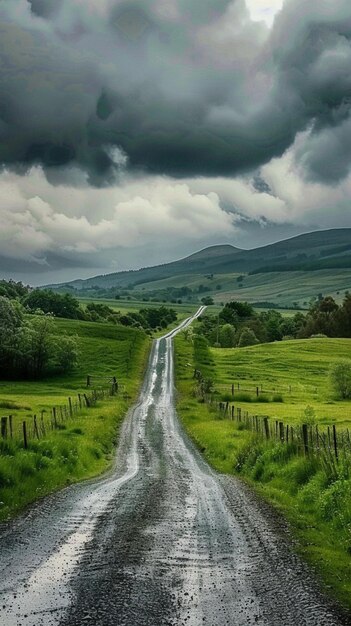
(135, 132)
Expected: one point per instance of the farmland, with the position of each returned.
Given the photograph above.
(82, 446)
(316, 503)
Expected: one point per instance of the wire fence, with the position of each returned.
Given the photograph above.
(37, 426)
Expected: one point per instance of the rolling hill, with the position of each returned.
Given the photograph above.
(283, 273)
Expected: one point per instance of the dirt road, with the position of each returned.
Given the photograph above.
(162, 541)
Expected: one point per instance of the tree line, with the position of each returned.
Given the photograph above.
(238, 324)
(29, 347)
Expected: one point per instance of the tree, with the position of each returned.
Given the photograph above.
(227, 336)
(247, 338)
(59, 305)
(11, 322)
(207, 301)
(340, 375)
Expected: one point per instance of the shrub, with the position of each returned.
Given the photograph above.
(247, 338)
(340, 375)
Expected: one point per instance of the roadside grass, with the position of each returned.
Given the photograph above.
(83, 446)
(317, 506)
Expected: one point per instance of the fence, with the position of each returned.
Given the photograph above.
(258, 389)
(329, 444)
(37, 426)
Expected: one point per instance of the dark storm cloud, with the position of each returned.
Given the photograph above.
(179, 87)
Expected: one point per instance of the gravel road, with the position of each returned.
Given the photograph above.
(163, 540)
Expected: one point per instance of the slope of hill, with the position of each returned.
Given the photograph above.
(285, 272)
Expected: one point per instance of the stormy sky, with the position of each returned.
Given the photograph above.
(135, 132)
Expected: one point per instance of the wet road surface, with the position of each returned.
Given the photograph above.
(163, 540)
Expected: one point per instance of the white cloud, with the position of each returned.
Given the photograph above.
(36, 218)
(264, 10)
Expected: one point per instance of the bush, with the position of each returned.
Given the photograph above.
(247, 338)
(340, 375)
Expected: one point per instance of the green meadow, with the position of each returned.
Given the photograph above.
(316, 503)
(83, 446)
(293, 373)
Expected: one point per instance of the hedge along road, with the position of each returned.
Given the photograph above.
(162, 541)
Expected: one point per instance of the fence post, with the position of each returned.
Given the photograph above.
(233, 390)
(11, 425)
(87, 401)
(266, 427)
(25, 439)
(4, 427)
(43, 430)
(36, 431)
(257, 391)
(70, 407)
(88, 381)
(305, 438)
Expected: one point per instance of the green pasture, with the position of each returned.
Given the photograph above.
(296, 373)
(316, 504)
(132, 306)
(84, 444)
(285, 288)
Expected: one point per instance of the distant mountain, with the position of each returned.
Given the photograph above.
(199, 262)
(307, 252)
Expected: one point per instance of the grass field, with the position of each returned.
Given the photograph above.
(281, 288)
(285, 288)
(317, 505)
(129, 306)
(83, 446)
(297, 370)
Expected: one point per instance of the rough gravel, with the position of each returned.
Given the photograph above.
(163, 540)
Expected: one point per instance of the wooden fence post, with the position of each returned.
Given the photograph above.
(266, 427)
(4, 427)
(70, 407)
(54, 416)
(43, 430)
(305, 438)
(88, 381)
(11, 425)
(36, 431)
(87, 401)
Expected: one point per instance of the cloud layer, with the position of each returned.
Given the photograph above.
(177, 87)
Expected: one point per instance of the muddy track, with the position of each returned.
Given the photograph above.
(162, 541)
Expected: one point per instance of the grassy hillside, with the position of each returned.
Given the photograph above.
(316, 503)
(284, 273)
(82, 447)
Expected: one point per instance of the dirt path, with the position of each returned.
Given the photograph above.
(162, 541)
